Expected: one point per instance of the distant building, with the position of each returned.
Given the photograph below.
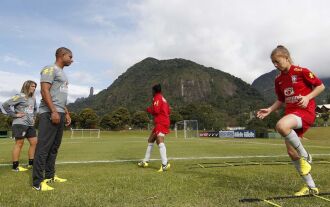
(91, 92)
(322, 108)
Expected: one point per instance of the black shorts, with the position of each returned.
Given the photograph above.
(22, 131)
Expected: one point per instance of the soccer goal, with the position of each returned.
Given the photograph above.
(186, 129)
(85, 133)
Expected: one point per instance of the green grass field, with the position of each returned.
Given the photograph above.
(103, 172)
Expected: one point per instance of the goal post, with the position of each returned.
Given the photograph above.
(186, 129)
(85, 133)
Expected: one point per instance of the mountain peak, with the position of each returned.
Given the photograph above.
(149, 59)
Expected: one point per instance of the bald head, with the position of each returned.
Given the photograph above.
(62, 51)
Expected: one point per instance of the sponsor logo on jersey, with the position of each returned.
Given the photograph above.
(288, 91)
(292, 99)
(297, 69)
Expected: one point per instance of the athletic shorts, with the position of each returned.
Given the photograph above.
(160, 130)
(22, 131)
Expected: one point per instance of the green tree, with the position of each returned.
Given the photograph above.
(319, 122)
(123, 115)
(242, 119)
(189, 111)
(74, 120)
(140, 119)
(175, 116)
(118, 119)
(106, 121)
(325, 117)
(207, 116)
(272, 119)
(259, 126)
(88, 119)
(5, 122)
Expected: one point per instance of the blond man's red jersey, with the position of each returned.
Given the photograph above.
(289, 86)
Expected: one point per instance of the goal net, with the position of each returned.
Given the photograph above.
(186, 129)
(85, 133)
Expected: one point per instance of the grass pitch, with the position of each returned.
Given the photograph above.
(205, 172)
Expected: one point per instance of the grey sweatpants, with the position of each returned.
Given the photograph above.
(49, 141)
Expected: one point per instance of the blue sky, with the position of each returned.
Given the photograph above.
(108, 36)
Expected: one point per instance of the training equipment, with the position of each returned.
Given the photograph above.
(186, 129)
(85, 133)
(20, 169)
(143, 164)
(307, 191)
(164, 167)
(305, 167)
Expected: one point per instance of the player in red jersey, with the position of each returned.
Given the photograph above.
(296, 87)
(160, 110)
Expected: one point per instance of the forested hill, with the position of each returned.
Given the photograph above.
(265, 85)
(184, 82)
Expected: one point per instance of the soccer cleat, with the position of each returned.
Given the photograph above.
(19, 169)
(307, 191)
(305, 167)
(59, 180)
(55, 179)
(43, 187)
(143, 164)
(164, 167)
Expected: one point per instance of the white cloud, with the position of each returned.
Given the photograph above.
(101, 21)
(11, 84)
(81, 77)
(234, 36)
(79, 91)
(15, 60)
